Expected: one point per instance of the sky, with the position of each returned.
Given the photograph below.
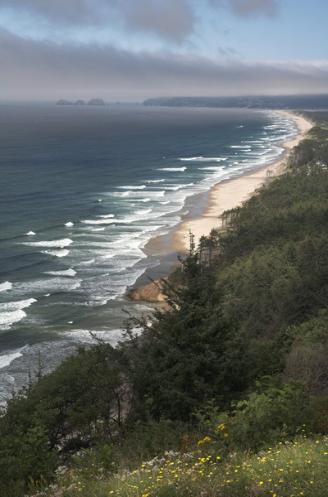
(136, 49)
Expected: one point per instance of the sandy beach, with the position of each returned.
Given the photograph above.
(223, 196)
(232, 193)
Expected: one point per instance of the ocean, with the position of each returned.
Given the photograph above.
(82, 191)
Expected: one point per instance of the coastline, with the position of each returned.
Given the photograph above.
(205, 209)
(225, 195)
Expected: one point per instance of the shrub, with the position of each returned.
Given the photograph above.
(270, 414)
(307, 360)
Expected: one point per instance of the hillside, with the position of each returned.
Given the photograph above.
(225, 394)
(296, 102)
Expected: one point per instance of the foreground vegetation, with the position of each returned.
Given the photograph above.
(225, 394)
(298, 468)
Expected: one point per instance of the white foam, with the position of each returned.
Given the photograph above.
(139, 216)
(107, 216)
(99, 221)
(16, 305)
(50, 285)
(112, 336)
(143, 212)
(178, 187)
(97, 229)
(64, 242)
(212, 168)
(240, 146)
(30, 233)
(7, 319)
(156, 194)
(4, 287)
(203, 159)
(67, 272)
(140, 187)
(76, 285)
(7, 359)
(155, 181)
(56, 253)
(69, 224)
(109, 256)
(99, 302)
(87, 263)
(272, 126)
(12, 312)
(144, 200)
(138, 196)
(173, 169)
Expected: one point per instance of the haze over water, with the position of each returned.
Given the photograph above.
(83, 190)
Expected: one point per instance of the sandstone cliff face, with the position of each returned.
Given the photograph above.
(152, 292)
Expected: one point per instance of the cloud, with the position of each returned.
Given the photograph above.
(249, 8)
(172, 20)
(32, 70)
(65, 11)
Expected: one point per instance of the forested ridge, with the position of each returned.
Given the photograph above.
(223, 394)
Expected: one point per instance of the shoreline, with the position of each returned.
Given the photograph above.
(203, 213)
(225, 195)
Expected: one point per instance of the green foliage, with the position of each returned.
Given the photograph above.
(268, 416)
(290, 207)
(176, 364)
(271, 413)
(146, 440)
(274, 287)
(94, 463)
(307, 360)
(25, 457)
(78, 404)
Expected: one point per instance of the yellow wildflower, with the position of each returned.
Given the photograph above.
(204, 441)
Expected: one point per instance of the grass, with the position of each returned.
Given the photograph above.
(290, 469)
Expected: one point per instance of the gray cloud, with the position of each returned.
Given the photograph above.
(46, 71)
(169, 19)
(172, 20)
(249, 8)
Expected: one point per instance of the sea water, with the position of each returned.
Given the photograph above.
(82, 191)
